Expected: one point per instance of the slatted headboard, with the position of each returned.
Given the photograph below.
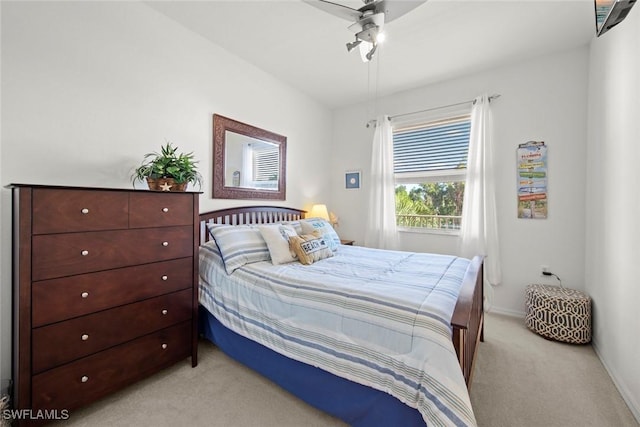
(247, 215)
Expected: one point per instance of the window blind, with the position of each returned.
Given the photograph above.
(438, 146)
(265, 164)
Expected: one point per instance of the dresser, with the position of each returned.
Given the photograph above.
(105, 290)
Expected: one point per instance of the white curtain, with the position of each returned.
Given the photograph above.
(479, 229)
(381, 230)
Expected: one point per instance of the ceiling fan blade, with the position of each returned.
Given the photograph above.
(336, 9)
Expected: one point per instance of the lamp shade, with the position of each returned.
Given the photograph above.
(319, 211)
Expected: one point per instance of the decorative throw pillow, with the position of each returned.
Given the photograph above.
(323, 226)
(277, 238)
(239, 245)
(295, 224)
(310, 247)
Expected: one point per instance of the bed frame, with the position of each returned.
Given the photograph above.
(467, 321)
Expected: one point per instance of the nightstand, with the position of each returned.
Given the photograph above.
(347, 242)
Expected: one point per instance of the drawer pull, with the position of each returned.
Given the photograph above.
(84, 294)
(165, 277)
(85, 337)
(164, 312)
(85, 253)
(165, 210)
(165, 243)
(85, 211)
(84, 379)
(164, 346)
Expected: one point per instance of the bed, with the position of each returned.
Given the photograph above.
(368, 370)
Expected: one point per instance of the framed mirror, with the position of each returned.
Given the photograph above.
(248, 162)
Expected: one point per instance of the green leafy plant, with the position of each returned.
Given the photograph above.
(168, 164)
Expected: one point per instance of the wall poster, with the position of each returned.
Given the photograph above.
(532, 180)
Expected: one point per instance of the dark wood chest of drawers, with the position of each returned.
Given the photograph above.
(105, 290)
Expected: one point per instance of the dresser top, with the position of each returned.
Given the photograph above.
(69, 187)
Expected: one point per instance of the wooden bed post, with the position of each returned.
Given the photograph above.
(468, 318)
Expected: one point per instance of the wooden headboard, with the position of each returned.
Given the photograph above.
(247, 215)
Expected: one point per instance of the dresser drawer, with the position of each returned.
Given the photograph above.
(58, 255)
(92, 377)
(160, 209)
(59, 211)
(63, 342)
(67, 297)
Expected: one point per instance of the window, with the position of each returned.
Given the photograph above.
(430, 161)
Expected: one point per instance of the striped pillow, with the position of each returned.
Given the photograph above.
(239, 245)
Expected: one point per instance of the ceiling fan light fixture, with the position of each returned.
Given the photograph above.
(352, 45)
(369, 33)
(368, 20)
(371, 52)
(365, 47)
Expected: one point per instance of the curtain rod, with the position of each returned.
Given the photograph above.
(491, 98)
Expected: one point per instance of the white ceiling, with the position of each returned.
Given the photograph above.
(438, 40)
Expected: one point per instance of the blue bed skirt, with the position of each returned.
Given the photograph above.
(353, 403)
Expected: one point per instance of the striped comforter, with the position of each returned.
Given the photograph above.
(378, 318)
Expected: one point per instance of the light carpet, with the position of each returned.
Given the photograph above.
(520, 380)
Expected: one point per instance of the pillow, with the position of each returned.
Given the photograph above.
(325, 229)
(310, 247)
(295, 224)
(277, 238)
(239, 245)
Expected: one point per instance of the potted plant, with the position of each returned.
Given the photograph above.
(168, 170)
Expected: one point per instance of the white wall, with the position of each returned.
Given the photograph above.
(90, 87)
(544, 99)
(613, 202)
(5, 291)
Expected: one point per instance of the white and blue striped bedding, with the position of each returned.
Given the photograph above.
(378, 318)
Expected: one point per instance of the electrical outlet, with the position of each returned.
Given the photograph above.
(544, 269)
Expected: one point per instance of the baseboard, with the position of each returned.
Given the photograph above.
(630, 400)
(506, 312)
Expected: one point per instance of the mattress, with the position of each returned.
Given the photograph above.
(377, 318)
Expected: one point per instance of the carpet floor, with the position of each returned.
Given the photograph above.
(520, 380)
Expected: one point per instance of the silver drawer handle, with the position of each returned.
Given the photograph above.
(164, 346)
(164, 312)
(165, 209)
(84, 294)
(165, 277)
(85, 253)
(84, 379)
(85, 211)
(165, 243)
(85, 337)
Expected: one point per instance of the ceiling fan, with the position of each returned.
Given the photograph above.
(368, 20)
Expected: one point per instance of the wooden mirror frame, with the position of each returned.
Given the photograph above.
(222, 124)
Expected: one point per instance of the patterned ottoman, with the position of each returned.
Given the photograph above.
(558, 313)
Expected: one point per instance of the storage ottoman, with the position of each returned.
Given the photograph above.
(558, 313)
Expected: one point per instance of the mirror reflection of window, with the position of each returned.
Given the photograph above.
(250, 162)
(265, 165)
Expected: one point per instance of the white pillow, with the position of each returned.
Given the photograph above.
(325, 229)
(277, 238)
(239, 245)
(295, 224)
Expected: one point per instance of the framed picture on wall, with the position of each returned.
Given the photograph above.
(352, 180)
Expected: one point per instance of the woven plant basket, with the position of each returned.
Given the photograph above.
(166, 184)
